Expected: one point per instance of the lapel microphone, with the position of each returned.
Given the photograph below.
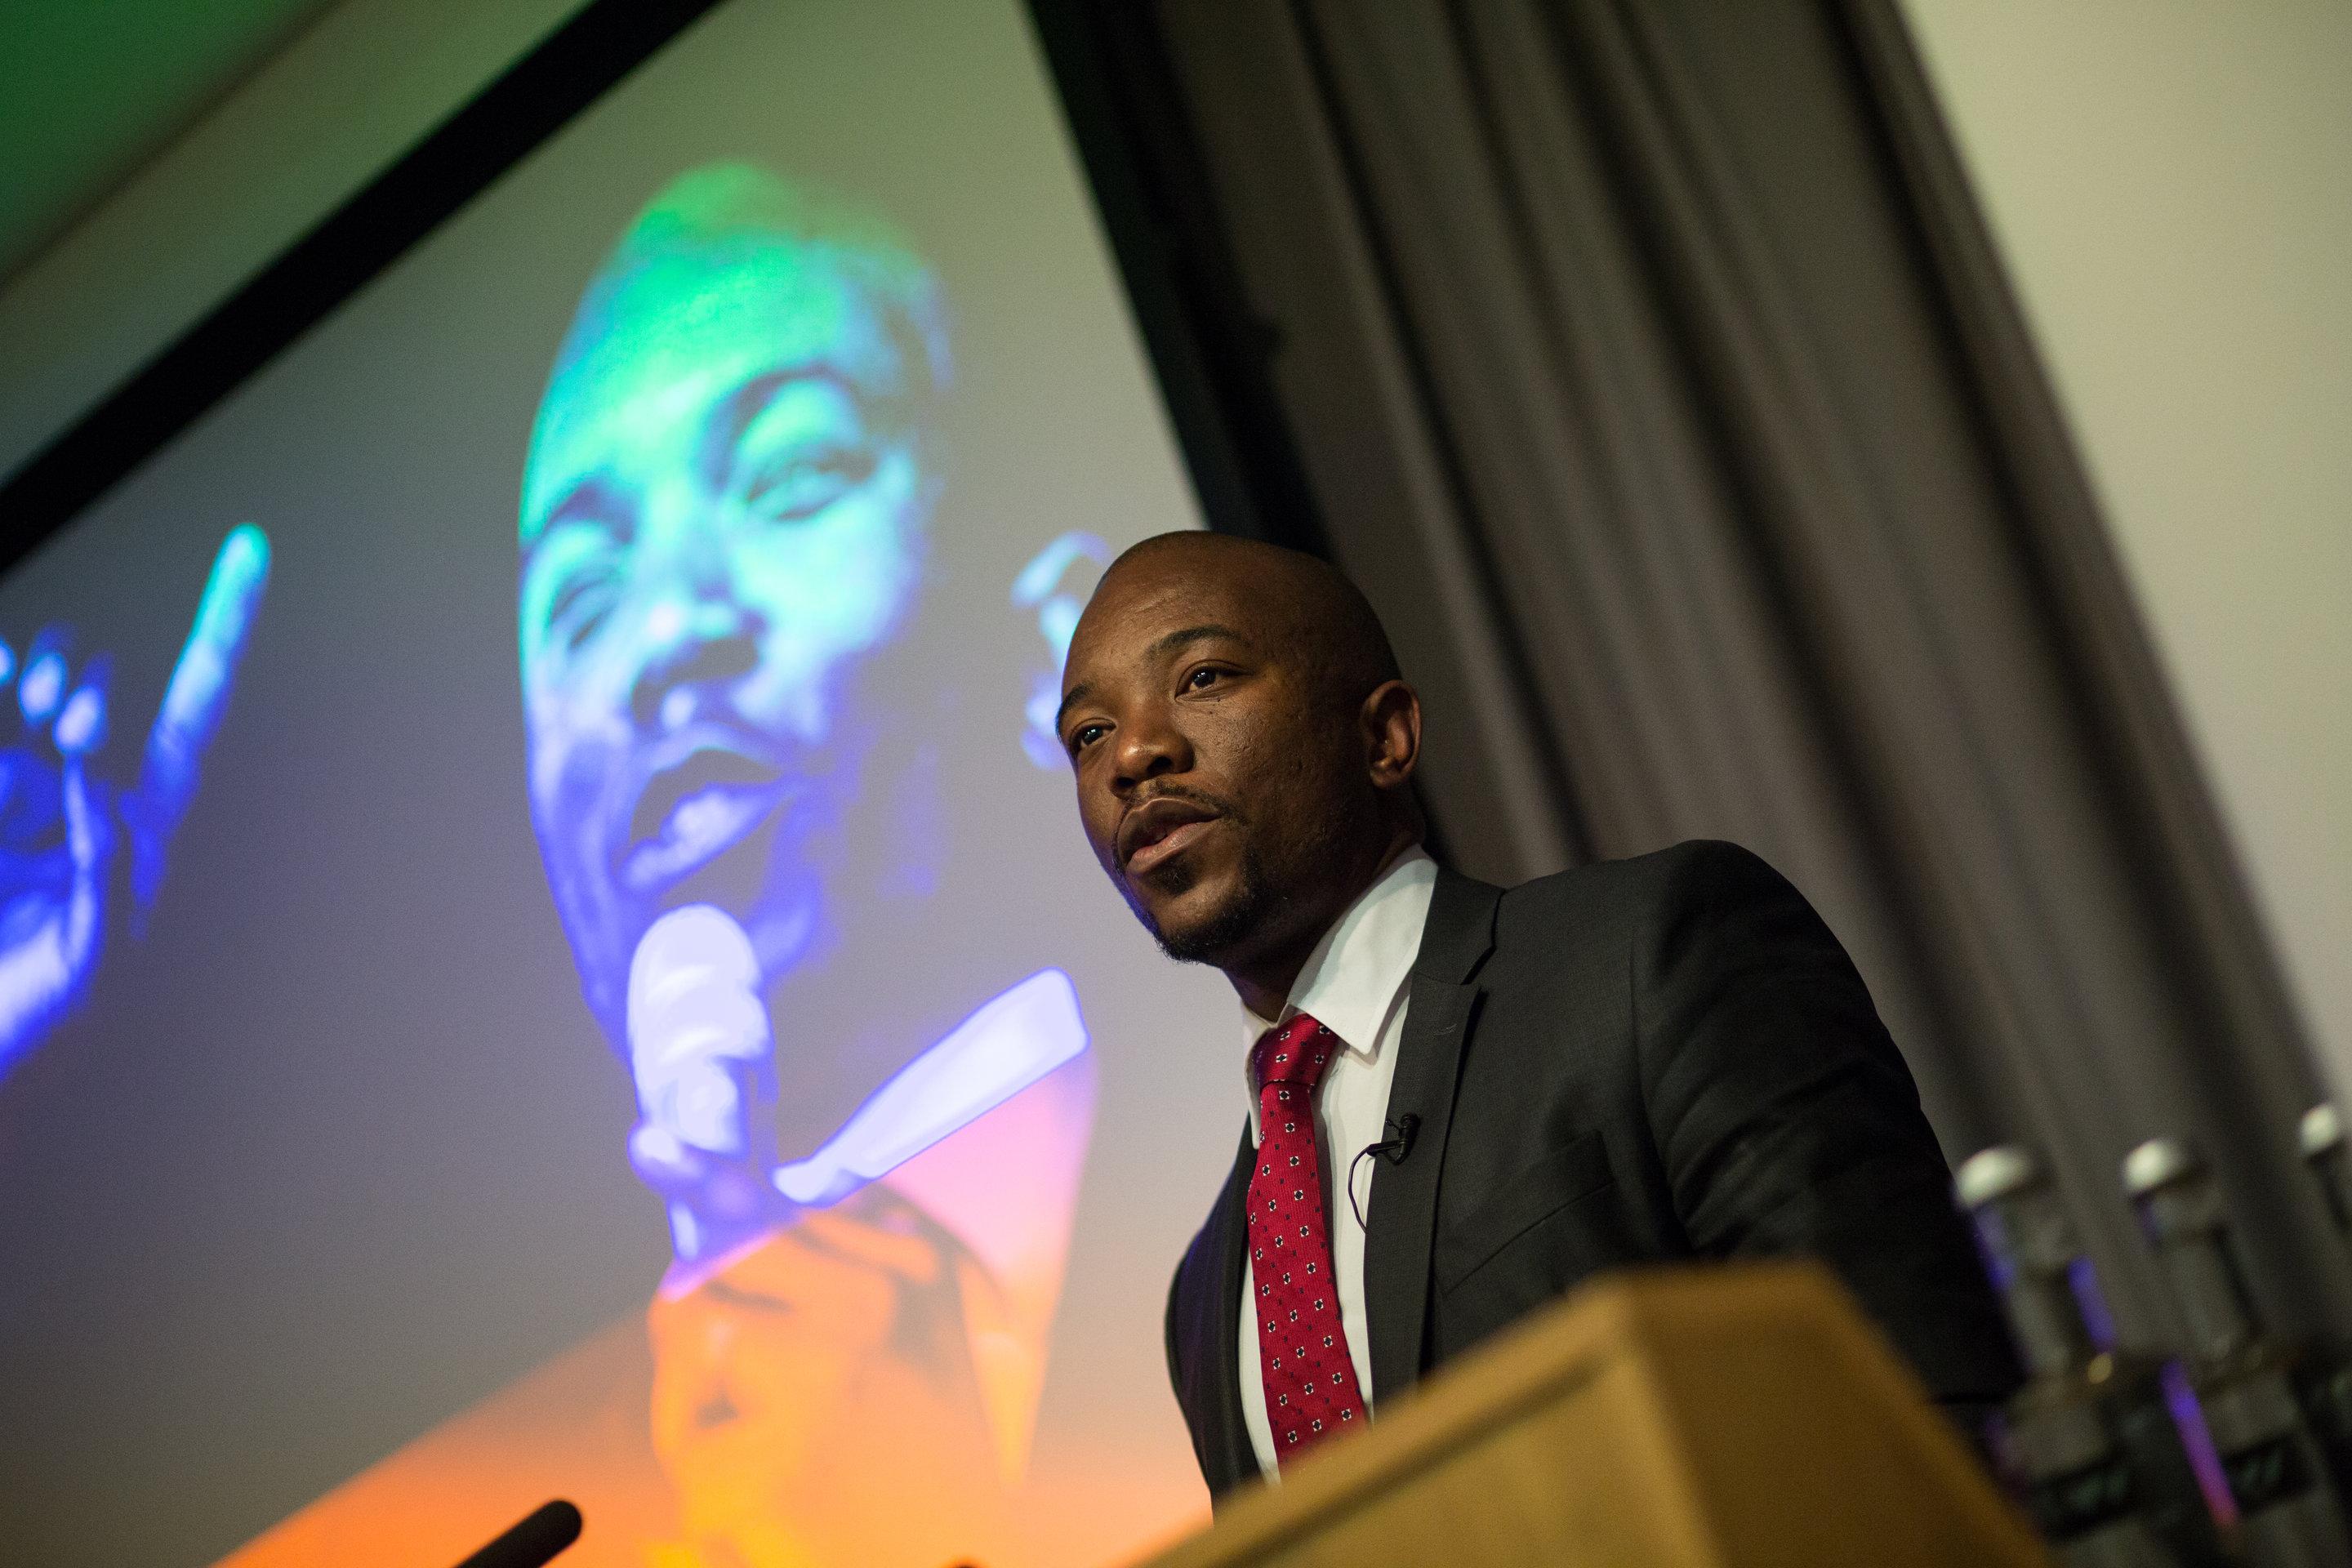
(1399, 1143)
(1393, 1148)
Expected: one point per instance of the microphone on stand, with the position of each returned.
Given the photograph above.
(531, 1540)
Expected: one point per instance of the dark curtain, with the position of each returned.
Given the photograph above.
(1648, 365)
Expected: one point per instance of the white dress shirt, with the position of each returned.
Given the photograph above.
(1355, 984)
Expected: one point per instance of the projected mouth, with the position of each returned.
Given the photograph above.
(692, 813)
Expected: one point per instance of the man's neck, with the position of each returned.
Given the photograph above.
(1265, 985)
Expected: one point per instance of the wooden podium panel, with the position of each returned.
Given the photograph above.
(1686, 1417)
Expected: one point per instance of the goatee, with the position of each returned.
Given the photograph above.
(1253, 903)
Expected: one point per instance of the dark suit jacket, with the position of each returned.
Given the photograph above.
(1667, 1057)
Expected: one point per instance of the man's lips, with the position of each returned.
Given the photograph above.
(692, 812)
(1158, 830)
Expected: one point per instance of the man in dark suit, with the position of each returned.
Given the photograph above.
(1466, 1099)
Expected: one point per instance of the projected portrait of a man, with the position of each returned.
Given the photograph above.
(722, 517)
(724, 525)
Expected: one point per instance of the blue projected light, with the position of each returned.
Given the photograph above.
(62, 822)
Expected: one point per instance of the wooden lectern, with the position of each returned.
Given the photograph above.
(1686, 1417)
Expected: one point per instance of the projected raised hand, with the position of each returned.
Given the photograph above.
(1040, 587)
(811, 1369)
(64, 825)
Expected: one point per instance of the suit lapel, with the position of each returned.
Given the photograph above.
(1458, 936)
(1227, 1449)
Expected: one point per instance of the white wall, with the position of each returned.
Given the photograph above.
(2170, 182)
(344, 100)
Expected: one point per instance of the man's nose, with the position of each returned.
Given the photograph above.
(700, 636)
(1145, 748)
(694, 669)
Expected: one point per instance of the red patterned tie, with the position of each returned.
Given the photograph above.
(1311, 1382)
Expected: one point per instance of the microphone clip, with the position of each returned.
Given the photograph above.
(1393, 1148)
(1399, 1143)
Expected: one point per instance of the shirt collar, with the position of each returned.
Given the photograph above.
(1355, 977)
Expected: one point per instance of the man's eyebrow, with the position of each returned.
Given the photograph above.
(1176, 639)
(727, 422)
(595, 498)
(1071, 698)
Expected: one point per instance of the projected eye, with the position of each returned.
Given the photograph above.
(572, 583)
(1201, 679)
(804, 449)
(580, 608)
(806, 482)
(571, 575)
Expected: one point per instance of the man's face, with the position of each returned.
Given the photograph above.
(721, 519)
(1219, 783)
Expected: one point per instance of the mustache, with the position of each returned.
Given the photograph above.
(1200, 798)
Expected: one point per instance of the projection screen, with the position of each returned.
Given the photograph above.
(545, 946)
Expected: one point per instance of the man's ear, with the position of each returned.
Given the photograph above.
(1391, 726)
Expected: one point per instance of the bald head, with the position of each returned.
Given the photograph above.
(1244, 748)
(1300, 600)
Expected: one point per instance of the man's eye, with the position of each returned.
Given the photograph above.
(1084, 736)
(576, 572)
(807, 483)
(580, 607)
(1201, 679)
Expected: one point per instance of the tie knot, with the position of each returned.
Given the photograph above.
(1296, 1052)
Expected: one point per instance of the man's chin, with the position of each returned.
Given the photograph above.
(1205, 924)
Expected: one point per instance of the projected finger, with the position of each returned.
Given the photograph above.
(86, 834)
(43, 688)
(81, 723)
(822, 1269)
(665, 1161)
(86, 842)
(858, 1240)
(197, 696)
